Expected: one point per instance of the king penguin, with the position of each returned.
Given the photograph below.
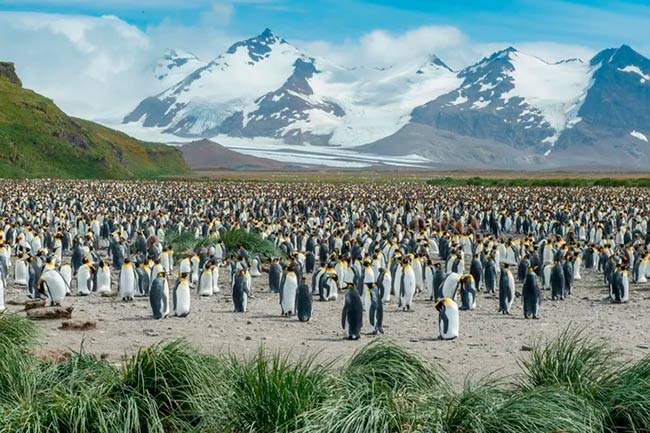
(448, 319)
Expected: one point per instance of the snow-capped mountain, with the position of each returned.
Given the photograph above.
(266, 87)
(510, 108)
(513, 98)
(174, 66)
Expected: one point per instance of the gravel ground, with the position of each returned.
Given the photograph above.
(488, 342)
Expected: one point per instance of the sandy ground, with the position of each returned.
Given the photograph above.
(488, 342)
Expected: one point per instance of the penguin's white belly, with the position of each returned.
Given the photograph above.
(185, 267)
(452, 323)
(66, 273)
(182, 307)
(205, 285)
(450, 285)
(254, 271)
(127, 284)
(408, 289)
(21, 276)
(83, 277)
(166, 299)
(576, 269)
(289, 294)
(56, 286)
(104, 281)
(387, 282)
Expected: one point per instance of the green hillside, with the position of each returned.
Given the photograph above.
(37, 139)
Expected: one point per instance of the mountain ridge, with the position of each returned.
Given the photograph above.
(264, 87)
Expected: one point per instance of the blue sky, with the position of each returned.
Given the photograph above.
(594, 23)
(109, 46)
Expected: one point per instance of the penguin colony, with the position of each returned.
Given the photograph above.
(375, 247)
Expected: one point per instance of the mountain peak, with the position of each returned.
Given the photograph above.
(622, 56)
(435, 60)
(259, 46)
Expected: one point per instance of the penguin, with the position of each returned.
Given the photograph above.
(531, 296)
(506, 290)
(85, 278)
(54, 286)
(384, 282)
(103, 279)
(127, 281)
(310, 262)
(437, 283)
(181, 296)
(450, 286)
(195, 261)
(21, 272)
(476, 271)
(303, 302)
(66, 273)
(215, 277)
(158, 298)
(275, 276)
(240, 292)
(448, 319)
(352, 315)
(255, 269)
(467, 292)
(205, 282)
(406, 286)
(288, 287)
(567, 270)
(143, 279)
(557, 281)
(490, 276)
(376, 311)
(328, 285)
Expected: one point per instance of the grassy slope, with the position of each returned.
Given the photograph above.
(37, 139)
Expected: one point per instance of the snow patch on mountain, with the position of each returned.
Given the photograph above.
(636, 70)
(555, 89)
(640, 136)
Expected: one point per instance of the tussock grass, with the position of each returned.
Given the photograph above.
(252, 241)
(270, 393)
(571, 384)
(383, 388)
(573, 361)
(16, 331)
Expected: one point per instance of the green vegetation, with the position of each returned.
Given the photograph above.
(569, 385)
(541, 182)
(37, 139)
(252, 241)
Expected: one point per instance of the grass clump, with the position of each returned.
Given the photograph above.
(383, 388)
(16, 331)
(232, 239)
(573, 361)
(251, 241)
(269, 393)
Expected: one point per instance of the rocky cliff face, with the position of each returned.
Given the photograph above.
(8, 70)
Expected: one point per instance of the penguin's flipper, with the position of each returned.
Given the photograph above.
(344, 315)
(445, 319)
(373, 311)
